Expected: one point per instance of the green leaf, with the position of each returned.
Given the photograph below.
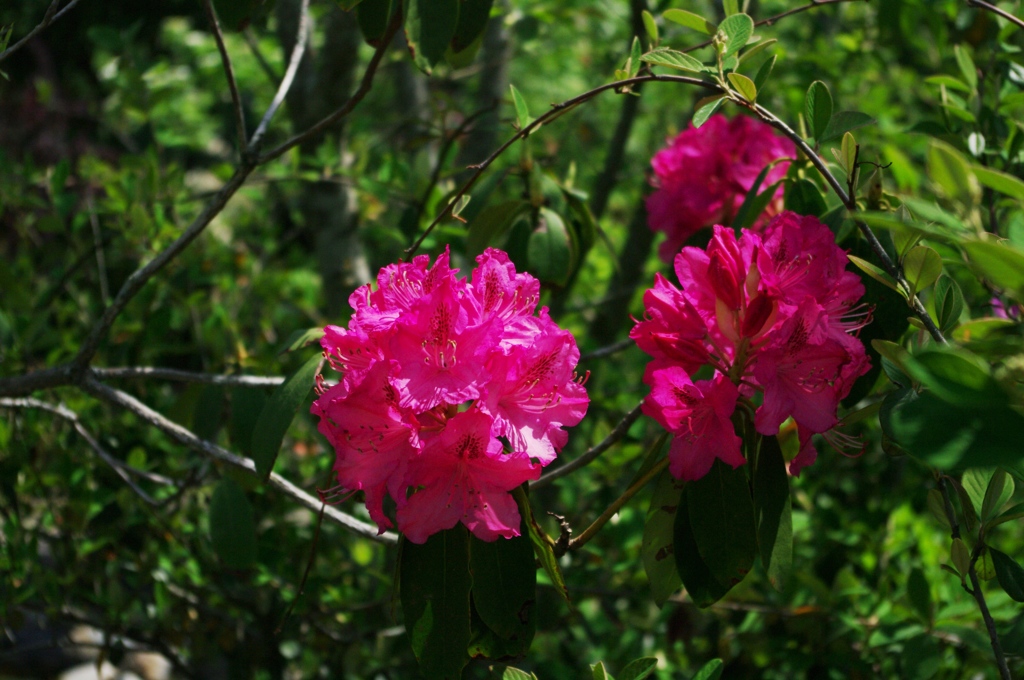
(730, 7)
(999, 491)
(761, 77)
(232, 526)
(818, 109)
(1015, 512)
(773, 512)
(877, 273)
(737, 29)
(999, 181)
(598, 671)
(712, 670)
(435, 581)
(656, 548)
(804, 198)
(516, 674)
(651, 26)
(701, 584)
(246, 405)
(373, 17)
(756, 49)
(522, 112)
(549, 249)
(473, 15)
(974, 482)
(949, 303)
(999, 263)
(301, 338)
(952, 173)
(705, 108)
(848, 153)
(663, 56)
(966, 64)
(206, 418)
(633, 64)
(639, 669)
(957, 376)
(1009, 573)
(937, 506)
(744, 85)
(690, 20)
(948, 81)
(722, 518)
(491, 224)
(505, 586)
(842, 122)
(960, 556)
(542, 548)
(920, 595)
(754, 205)
(277, 415)
(922, 266)
(429, 28)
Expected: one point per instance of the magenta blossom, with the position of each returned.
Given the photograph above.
(775, 314)
(704, 174)
(452, 394)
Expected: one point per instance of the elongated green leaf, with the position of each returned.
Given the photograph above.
(690, 20)
(773, 512)
(722, 518)
(1009, 573)
(435, 586)
(712, 670)
(875, 272)
(804, 198)
(522, 111)
(672, 59)
(639, 669)
(598, 671)
(957, 376)
(730, 7)
(246, 405)
(491, 223)
(1000, 263)
(974, 482)
(842, 122)
(818, 108)
(473, 15)
(429, 28)
(999, 181)
(701, 584)
(1016, 512)
(206, 418)
(706, 108)
(656, 549)
(373, 17)
(951, 172)
(277, 415)
(301, 338)
(651, 26)
(549, 249)
(542, 549)
(232, 526)
(505, 585)
(966, 64)
(949, 303)
(948, 81)
(756, 49)
(737, 29)
(1000, 489)
(754, 205)
(761, 77)
(516, 674)
(744, 85)
(922, 266)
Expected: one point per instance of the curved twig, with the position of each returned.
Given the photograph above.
(187, 376)
(51, 15)
(995, 10)
(229, 72)
(615, 435)
(289, 76)
(189, 439)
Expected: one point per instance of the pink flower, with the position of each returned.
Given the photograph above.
(775, 315)
(451, 394)
(704, 174)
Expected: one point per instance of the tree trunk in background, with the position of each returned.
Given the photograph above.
(614, 313)
(330, 210)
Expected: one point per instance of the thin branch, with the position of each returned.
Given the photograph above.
(301, 39)
(346, 108)
(611, 510)
(188, 438)
(187, 376)
(229, 72)
(51, 15)
(609, 350)
(555, 111)
(615, 435)
(995, 10)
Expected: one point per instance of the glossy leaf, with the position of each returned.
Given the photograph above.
(765, 70)
(429, 28)
(232, 526)
(818, 108)
(875, 272)
(246, 406)
(473, 15)
(744, 85)
(712, 670)
(737, 29)
(549, 249)
(505, 585)
(511, 673)
(1009, 573)
(804, 198)
(435, 586)
(706, 108)
(277, 415)
(638, 669)
(966, 64)
(999, 491)
(656, 548)
(701, 584)
(756, 49)
(975, 481)
(1000, 263)
(725, 532)
(599, 672)
(922, 266)
(373, 17)
(672, 59)
(301, 338)
(491, 224)
(949, 303)
(690, 20)
(773, 512)
(522, 111)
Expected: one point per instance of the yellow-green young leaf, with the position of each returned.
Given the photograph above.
(516, 674)
(937, 506)
(848, 150)
(983, 567)
(922, 266)
(948, 81)
(522, 112)
(897, 354)
(757, 49)
(633, 63)
(999, 181)
(672, 59)
(599, 671)
(651, 26)
(712, 670)
(951, 172)
(690, 20)
(737, 29)
(960, 556)
(876, 273)
(730, 7)
(744, 85)
(966, 64)
(999, 263)
(705, 108)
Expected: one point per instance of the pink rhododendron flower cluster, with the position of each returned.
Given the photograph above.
(775, 314)
(705, 173)
(452, 393)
